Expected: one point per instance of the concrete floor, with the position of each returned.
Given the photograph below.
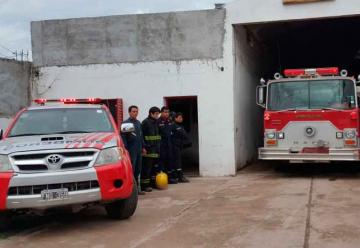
(263, 206)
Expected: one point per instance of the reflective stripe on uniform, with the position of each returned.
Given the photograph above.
(152, 138)
(151, 155)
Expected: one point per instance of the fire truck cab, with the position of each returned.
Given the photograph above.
(311, 115)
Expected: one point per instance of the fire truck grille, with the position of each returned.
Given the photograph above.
(36, 189)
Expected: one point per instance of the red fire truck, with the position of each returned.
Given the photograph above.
(311, 115)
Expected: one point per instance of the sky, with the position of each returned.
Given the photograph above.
(16, 15)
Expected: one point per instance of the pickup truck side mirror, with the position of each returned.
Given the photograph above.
(260, 96)
(127, 128)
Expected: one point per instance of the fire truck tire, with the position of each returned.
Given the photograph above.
(123, 209)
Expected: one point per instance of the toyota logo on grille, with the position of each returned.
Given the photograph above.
(54, 159)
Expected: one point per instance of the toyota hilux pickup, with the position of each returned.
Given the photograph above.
(66, 154)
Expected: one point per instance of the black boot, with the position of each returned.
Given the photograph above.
(181, 177)
(172, 178)
(140, 191)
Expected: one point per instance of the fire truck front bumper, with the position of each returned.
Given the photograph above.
(344, 154)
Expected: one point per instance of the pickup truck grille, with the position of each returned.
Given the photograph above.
(40, 161)
(36, 189)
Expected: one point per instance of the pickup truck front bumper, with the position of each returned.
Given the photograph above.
(91, 185)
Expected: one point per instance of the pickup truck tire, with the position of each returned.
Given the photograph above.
(123, 209)
(5, 221)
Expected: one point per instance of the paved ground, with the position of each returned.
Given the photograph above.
(264, 206)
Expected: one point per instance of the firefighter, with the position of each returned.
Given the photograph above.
(166, 126)
(134, 143)
(180, 140)
(152, 145)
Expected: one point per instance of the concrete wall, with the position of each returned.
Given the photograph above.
(257, 11)
(129, 38)
(249, 66)
(15, 88)
(145, 84)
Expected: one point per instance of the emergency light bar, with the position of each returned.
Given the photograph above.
(328, 71)
(69, 100)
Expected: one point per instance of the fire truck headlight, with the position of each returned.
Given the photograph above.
(339, 135)
(281, 135)
(350, 134)
(270, 135)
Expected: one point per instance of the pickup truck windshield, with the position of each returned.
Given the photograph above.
(55, 121)
(312, 94)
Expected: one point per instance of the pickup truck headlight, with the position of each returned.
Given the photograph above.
(108, 156)
(5, 164)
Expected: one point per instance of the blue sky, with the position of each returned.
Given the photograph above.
(16, 15)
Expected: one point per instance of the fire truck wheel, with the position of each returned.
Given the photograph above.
(123, 209)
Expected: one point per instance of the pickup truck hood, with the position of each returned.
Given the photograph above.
(58, 141)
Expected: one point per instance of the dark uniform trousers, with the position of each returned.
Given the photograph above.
(179, 141)
(151, 158)
(166, 127)
(133, 143)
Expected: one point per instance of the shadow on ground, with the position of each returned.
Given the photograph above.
(332, 171)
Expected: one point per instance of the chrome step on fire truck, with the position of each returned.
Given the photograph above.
(67, 154)
(311, 115)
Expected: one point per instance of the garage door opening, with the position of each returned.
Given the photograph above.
(309, 44)
(266, 48)
(116, 109)
(188, 106)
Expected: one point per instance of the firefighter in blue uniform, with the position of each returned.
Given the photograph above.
(166, 126)
(152, 145)
(134, 143)
(180, 140)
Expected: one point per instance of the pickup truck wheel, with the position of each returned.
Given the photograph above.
(123, 209)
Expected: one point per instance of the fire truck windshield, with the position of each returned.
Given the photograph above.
(311, 94)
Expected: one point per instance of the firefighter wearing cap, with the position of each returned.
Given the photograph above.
(166, 126)
(152, 146)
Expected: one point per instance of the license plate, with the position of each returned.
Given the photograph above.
(54, 194)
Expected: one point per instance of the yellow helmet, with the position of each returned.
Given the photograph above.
(161, 181)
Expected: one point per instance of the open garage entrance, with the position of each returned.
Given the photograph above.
(265, 48)
(188, 106)
(309, 44)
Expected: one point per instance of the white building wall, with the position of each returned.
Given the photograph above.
(145, 85)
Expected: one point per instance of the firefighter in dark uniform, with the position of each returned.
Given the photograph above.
(180, 140)
(134, 143)
(152, 145)
(166, 126)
